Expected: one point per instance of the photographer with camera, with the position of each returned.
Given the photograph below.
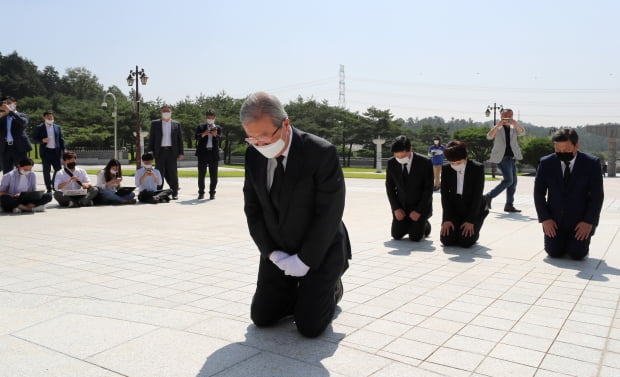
(14, 143)
(147, 180)
(505, 152)
(208, 137)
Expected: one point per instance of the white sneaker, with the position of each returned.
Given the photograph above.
(40, 208)
(17, 210)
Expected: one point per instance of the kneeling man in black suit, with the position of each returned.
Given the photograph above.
(294, 195)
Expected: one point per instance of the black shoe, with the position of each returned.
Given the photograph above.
(339, 291)
(487, 202)
(212, 197)
(511, 209)
(201, 196)
(427, 229)
(175, 197)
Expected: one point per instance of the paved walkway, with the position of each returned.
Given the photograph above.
(164, 290)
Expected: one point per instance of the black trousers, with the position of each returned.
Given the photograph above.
(8, 202)
(202, 171)
(565, 243)
(50, 159)
(167, 166)
(415, 229)
(310, 299)
(456, 237)
(10, 157)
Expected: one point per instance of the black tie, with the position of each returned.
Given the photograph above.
(405, 173)
(566, 174)
(276, 184)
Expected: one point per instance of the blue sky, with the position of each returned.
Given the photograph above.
(556, 63)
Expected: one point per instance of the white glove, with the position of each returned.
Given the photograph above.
(293, 266)
(278, 255)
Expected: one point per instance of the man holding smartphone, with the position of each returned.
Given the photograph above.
(505, 152)
(14, 143)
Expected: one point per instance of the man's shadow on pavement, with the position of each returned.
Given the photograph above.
(467, 255)
(406, 247)
(273, 351)
(514, 216)
(588, 269)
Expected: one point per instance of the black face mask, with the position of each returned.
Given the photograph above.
(71, 165)
(565, 156)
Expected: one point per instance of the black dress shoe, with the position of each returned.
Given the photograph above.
(427, 229)
(339, 291)
(175, 197)
(212, 197)
(201, 196)
(511, 209)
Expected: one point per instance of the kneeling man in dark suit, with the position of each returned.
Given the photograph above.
(568, 194)
(294, 195)
(462, 183)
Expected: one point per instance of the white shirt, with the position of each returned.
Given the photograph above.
(101, 182)
(52, 139)
(571, 165)
(62, 177)
(166, 133)
(460, 178)
(272, 163)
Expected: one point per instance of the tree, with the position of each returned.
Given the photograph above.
(533, 148)
(477, 144)
(19, 77)
(81, 84)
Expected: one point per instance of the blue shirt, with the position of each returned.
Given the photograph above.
(436, 153)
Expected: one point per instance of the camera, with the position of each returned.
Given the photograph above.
(148, 170)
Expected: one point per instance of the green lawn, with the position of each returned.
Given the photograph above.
(369, 173)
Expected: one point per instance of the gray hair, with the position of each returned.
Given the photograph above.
(262, 104)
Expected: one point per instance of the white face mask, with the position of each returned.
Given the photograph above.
(147, 166)
(210, 121)
(459, 168)
(113, 171)
(404, 160)
(166, 115)
(436, 142)
(24, 171)
(270, 150)
(49, 122)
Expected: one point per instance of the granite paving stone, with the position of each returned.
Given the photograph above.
(165, 290)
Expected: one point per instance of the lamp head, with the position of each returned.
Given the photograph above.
(143, 78)
(130, 80)
(104, 105)
(487, 113)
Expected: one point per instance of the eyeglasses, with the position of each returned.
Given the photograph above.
(262, 139)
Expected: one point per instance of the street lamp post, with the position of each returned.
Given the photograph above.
(487, 113)
(104, 105)
(138, 74)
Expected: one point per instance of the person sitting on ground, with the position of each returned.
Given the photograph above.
(18, 181)
(108, 181)
(147, 180)
(462, 184)
(72, 185)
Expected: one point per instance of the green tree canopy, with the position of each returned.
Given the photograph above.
(478, 146)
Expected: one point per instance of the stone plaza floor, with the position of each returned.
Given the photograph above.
(165, 290)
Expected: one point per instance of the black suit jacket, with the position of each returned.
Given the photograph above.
(467, 208)
(155, 136)
(580, 200)
(40, 133)
(201, 144)
(417, 195)
(21, 143)
(311, 206)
